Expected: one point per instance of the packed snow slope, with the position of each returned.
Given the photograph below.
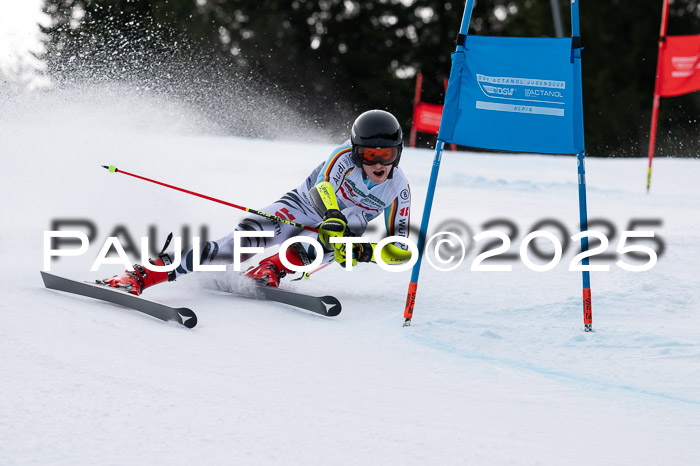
(496, 368)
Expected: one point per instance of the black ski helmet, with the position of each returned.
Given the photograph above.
(376, 128)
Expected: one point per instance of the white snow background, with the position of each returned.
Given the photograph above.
(496, 368)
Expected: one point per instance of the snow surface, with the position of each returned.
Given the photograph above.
(495, 369)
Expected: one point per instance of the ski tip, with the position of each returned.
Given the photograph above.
(187, 317)
(111, 168)
(332, 305)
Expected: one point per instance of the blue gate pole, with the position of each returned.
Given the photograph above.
(411, 296)
(583, 214)
(581, 161)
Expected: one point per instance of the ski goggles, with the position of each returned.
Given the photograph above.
(374, 155)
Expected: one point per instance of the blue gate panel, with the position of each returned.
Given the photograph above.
(512, 94)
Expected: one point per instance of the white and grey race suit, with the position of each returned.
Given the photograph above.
(358, 199)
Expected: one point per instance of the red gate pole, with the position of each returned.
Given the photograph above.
(416, 101)
(657, 98)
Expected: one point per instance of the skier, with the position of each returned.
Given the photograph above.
(359, 181)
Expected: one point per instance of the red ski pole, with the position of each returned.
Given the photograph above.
(113, 169)
(307, 275)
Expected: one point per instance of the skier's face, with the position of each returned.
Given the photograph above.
(376, 173)
(377, 161)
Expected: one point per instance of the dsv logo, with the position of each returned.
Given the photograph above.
(499, 90)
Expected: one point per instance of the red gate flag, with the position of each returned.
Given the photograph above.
(677, 72)
(679, 66)
(426, 117)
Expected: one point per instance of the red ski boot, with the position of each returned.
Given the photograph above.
(271, 270)
(141, 278)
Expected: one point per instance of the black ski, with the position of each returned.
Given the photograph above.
(328, 306)
(181, 315)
